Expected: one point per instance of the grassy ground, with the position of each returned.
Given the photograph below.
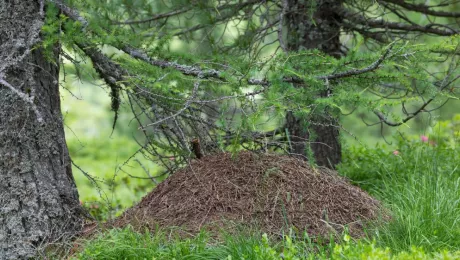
(127, 244)
(421, 187)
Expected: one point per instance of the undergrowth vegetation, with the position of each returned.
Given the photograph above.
(127, 244)
(419, 182)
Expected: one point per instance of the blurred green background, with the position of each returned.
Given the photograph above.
(99, 152)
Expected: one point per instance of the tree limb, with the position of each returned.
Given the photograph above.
(154, 18)
(383, 118)
(355, 72)
(356, 18)
(421, 8)
(216, 74)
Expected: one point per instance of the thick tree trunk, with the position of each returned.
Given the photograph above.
(313, 24)
(38, 197)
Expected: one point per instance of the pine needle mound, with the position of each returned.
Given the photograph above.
(269, 191)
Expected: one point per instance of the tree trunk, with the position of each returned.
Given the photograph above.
(314, 25)
(38, 197)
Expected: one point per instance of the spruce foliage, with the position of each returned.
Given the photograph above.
(214, 70)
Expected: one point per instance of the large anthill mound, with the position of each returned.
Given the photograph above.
(272, 192)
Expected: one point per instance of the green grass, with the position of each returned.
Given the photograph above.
(425, 210)
(425, 205)
(127, 244)
(421, 188)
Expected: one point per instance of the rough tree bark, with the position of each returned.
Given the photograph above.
(38, 197)
(314, 25)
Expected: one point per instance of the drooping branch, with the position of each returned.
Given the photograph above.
(216, 74)
(442, 85)
(383, 118)
(200, 73)
(108, 70)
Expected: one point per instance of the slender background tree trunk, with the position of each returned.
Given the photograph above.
(38, 197)
(314, 25)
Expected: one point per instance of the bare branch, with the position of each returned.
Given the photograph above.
(421, 8)
(355, 72)
(187, 104)
(184, 69)
(155, 17)
(384, 119)
(356, 18)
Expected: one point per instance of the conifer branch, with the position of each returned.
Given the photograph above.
(383, 118)
(112, 73)
(216, 74)
(355, 72)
